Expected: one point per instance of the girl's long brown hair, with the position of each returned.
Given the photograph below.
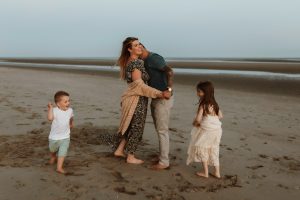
(208, 99)
(125, 54)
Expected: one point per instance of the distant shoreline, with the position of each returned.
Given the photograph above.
(288, 65)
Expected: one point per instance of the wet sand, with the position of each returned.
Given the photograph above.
(250, 64)
(259, 151)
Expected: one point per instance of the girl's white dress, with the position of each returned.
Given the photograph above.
(205, 140)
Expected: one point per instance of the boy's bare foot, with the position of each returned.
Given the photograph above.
(134, 161)
(118, 154)
(202, 174)
(61, 171)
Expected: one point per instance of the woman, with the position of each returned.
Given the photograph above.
(134, 101)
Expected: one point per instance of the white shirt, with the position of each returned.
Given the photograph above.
(60, 127)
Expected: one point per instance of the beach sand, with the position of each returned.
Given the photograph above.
(259, 153)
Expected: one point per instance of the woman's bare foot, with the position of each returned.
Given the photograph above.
(120, 154)
(134, 161)
(202, 174)
(61, 171)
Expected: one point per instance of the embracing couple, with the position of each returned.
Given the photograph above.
(147, 76)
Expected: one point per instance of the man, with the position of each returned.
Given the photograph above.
(161, 78)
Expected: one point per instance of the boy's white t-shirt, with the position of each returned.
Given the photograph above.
(60, 127)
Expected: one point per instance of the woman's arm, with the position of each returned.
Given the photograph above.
(137, 74)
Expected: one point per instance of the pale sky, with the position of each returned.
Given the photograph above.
(173, 28)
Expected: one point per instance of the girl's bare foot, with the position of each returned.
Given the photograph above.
(202, 174)
(120, 154)
(61, 171)
(218, 176)
(134, 161)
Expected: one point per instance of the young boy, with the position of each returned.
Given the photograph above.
(62, 120)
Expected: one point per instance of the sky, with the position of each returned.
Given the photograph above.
(172, 28)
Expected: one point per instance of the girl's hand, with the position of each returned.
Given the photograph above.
(196, 123)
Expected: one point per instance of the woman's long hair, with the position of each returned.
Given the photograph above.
(125, 54)
(208, 100)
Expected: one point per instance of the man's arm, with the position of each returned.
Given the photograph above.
(170, 74)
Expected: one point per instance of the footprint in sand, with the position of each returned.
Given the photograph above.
(255, 167)
(263, 156)
(119, 177)
(124, 190)
(283, 186)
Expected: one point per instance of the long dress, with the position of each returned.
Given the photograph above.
(205, 140)
(134, 133)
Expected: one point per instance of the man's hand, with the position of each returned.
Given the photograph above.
(167, 94)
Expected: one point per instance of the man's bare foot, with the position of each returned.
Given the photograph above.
(61, 171)
(134, 161)
(118, 154)
(202, 174)
(160, 167)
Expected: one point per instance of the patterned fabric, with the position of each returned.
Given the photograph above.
(134, 133)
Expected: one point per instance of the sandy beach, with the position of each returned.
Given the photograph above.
(259, 152)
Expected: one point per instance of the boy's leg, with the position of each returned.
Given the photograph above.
(62, 153)
(60, 162)
(53, 147)
(53, 158)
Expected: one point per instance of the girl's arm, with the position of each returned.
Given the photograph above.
(50, 112)
(198, 117)
(220, 115)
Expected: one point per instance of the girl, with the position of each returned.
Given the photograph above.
(206, 133)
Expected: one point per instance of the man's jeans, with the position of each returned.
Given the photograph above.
(160, 111)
